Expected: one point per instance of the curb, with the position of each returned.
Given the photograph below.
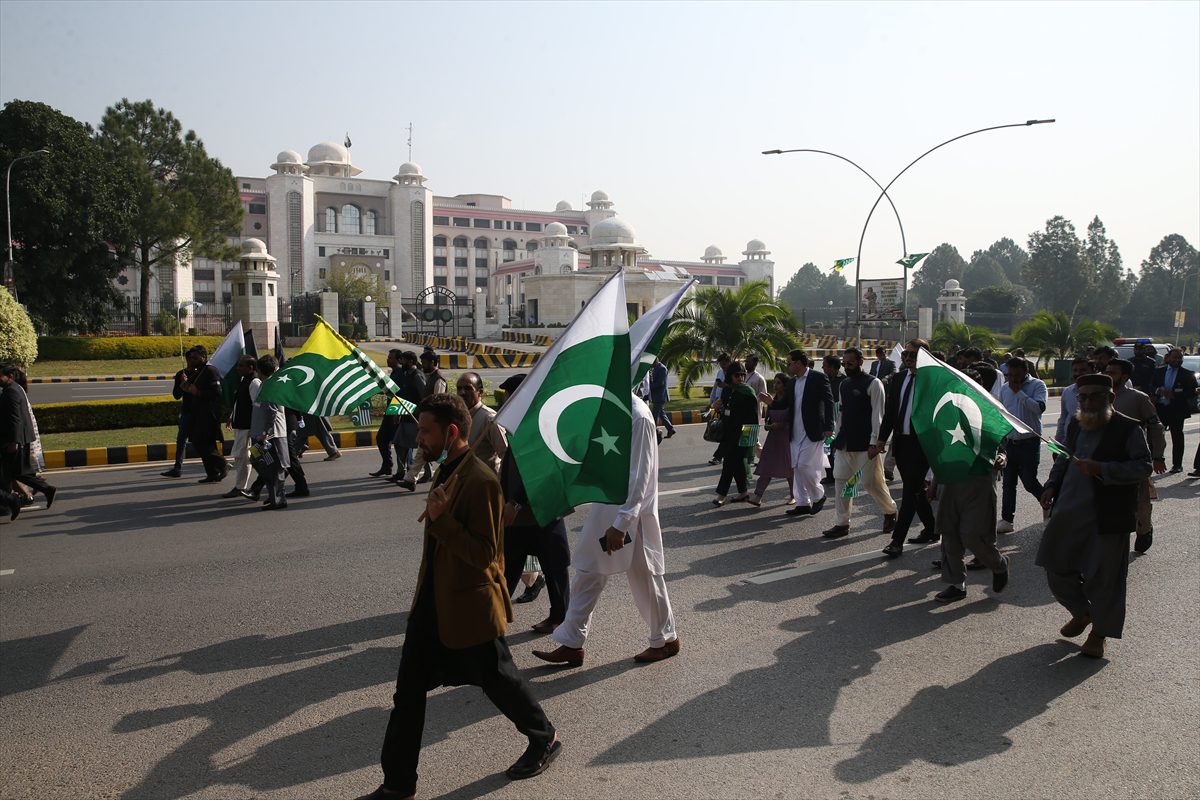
(103, 379)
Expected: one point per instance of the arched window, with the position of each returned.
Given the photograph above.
(331, 220)
(369, 223)
(509, 244)
(481, 243)
(531, 245)
(460, 241)
(351, 219)
(439, 241)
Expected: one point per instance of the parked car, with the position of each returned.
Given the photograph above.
(1193, 363)
(1124, 348)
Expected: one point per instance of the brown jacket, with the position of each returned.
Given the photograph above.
(469, 590)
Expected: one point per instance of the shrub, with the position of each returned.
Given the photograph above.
(18, 342)
(166, 324)
(98, 348)
(98, 415)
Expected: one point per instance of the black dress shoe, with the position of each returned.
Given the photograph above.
(385, 794)
(298, 493)
(531, 592)
(50, 492)
(273, 506)
(234, 492)
(975, 564)
(1194, 473)
(172, 473)
(209, 479)
(893, 550)
(950, 594)
(1141, 542)
(999, 581)
(1174, 470)
(379, 473)
(926, 537)
(403, 484)
(937, 564)
(817, 506)
(799, 511)
(534, 761)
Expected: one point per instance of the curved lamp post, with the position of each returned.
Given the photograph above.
(9, 279)
(179, 319)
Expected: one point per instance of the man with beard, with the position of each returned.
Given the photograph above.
(455, 630)
(1092, 498)
(1136, 405)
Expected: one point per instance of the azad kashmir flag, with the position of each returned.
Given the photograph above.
(960, 424)
(647, 332)
(569, 423)
(225, 359)
(328, 377)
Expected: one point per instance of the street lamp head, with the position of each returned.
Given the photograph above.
(1038, 121)
(392, 288)
(771, 152)
(367, 299)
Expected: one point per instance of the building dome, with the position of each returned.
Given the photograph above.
(409, 168)
(755, 246)
(712, 251)
(255, 250)
(952, 285)
(563, 205)
(556, 229)
(600, 196)
(613, 230)
(288, 157)
(328, 153)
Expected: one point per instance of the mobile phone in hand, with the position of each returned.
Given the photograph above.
(604, 541)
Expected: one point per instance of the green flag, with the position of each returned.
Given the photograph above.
(959, 424)
(569, 422)
(647, 332)
(908, 262)
(328, 377)
(842, 263)
(225, 359)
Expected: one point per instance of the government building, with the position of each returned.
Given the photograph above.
(319, 215)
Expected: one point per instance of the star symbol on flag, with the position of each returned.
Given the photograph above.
(609, 443)
(284, 378)
(957, 436)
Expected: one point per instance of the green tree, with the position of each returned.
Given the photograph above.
(186, 203)
(1057, 271)
(930, 278)
(1005, 298)
(1109, 292)
(1010, 257)
(18, 342)
(67, 206)
(982, 271)
(811, 288)
(949, 336)
(740, 321)
(352, 286)
(1052, 335)
(1160, 286)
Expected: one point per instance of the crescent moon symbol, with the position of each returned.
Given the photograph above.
(308, 372)
(558, 402)
(969, 409)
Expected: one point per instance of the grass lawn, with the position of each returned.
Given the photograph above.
(138, 366)
(120, 437)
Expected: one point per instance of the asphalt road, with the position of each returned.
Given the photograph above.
(158, 642)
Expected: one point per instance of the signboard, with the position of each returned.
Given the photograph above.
(1180, 316)
(881, 300)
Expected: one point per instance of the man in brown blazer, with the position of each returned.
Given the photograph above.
(461, 610)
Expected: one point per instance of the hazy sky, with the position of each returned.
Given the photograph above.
(667, 107)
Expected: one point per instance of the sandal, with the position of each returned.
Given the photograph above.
(741, 498)
(756, 500)
(719, 501)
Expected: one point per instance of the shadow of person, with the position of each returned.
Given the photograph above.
(968, 721)
(27, 663)
(788, 704)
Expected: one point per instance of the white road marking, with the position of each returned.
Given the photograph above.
(7, 571)
(820, 566)
(684, 491)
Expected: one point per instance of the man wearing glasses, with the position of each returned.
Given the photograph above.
(1092, 498)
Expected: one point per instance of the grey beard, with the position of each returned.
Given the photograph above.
(1093, 420)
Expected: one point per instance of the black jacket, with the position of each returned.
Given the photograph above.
(881, 369)
(15, 423)
(816, 406)
(1182, 393)
(891, 407)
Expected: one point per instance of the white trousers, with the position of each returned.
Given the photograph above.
(649, 595)
(808, 468)
(845, 465)
(242, 478)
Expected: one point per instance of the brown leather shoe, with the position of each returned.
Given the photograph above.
(652, 654)
(1076, 626)
(836, 532)
(889, 523)
(571, 656)
(1093, 646)
(545, 627)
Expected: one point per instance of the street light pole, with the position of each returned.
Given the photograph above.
(9, 278)
(1182, 297)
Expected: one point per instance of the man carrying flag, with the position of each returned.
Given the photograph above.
(206, 393)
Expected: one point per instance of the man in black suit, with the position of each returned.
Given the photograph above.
(16, 437)
(910, 458)
(810, 422)
(205, 391)
(882, 366)
(1174, 387)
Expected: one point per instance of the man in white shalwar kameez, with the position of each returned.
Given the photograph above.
(809, 461)
(634, 544)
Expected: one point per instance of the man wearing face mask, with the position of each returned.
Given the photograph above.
(455, 631)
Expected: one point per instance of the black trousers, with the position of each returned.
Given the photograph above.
(553, 551)
(383, 440)
(911, 461)
(19, 466)
(1175, 426)
(733, 467)
(205, 437)
(425, 664)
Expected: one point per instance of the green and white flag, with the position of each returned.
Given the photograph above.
(569, 423)
(647, 332)
(960, 425)
(225, 359)
(910, 261)
(329, 377)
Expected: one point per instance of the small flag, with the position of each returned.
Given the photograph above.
(851, 489)
(397, 406)
(279, 356)
(251, 348)
(225, 360)
(908, 262)
(646, 334)
(361, 416)
(842, 263)
(347, 140)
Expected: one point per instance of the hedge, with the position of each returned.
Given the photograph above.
(99, 415)
(98, 348)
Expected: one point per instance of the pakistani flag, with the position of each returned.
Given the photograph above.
(569, 423)
(646, 334)
(225, 360)
(959, 424)
(328, 377)
(908, 262)
(842, 263)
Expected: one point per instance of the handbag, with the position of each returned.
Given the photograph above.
(262, 457)
(713, 429)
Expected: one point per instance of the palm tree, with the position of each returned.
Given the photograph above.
(739, 321)
(1053, 336)
(948, 334)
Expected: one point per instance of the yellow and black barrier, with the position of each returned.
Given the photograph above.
(103, 378)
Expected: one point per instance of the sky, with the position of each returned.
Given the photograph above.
(667, 107)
